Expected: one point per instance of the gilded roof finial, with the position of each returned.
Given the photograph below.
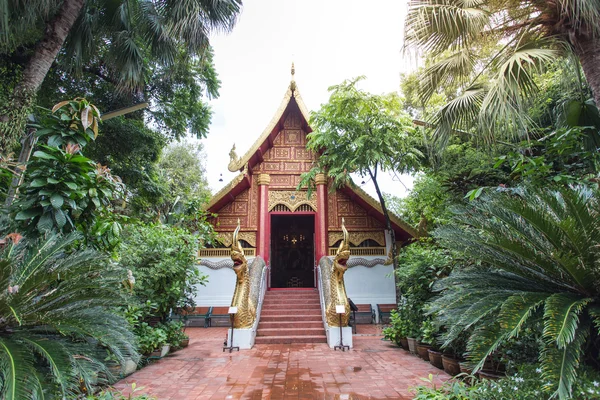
(293, 82)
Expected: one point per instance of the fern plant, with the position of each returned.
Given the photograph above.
(57, 318)
(538, 254)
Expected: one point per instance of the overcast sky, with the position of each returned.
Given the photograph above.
(327, 40)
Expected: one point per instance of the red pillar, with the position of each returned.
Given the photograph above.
(321, 223)
(264, 225)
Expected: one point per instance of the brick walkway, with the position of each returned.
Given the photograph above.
(374, 369)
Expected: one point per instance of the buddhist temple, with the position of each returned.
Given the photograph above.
(290, 230)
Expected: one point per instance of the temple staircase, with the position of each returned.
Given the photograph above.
(291, 316)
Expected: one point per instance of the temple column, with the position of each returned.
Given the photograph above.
(321, 223)
(264, 225)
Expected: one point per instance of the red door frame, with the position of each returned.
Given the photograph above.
(291, 213)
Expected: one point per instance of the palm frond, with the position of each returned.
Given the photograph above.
(458, 114)
(561, 318)
(560, 364)
(438, 25)
(16, 364)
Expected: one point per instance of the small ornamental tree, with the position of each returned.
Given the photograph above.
(363, 133)
(63, 190)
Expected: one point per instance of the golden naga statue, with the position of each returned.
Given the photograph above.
(337, 290)
(246, 310)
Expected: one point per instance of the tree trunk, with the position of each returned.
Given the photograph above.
(388, 225)
(587, 48)
(14, 115)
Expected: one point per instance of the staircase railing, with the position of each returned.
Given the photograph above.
(323, 276)
(258, 286)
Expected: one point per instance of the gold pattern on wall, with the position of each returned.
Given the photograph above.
(356, 238)
(291, 199)
(226, 238)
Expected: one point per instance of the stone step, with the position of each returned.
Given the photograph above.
(277, 317)
(292, 294)
(290, 339)
(290, 324)
(295, 306)
(291, 331)
(292, 299)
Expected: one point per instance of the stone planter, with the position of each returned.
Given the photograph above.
(435, 358)
(451, 365)
(129, 367)
(160, 353)
(404, 343)
(412, 345)
(422, 349)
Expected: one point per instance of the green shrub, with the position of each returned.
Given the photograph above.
(526, 383)
(162, 259)
(150, 338)
(174, 332)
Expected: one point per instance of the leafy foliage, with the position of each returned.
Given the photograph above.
(536, 254)
(494, 54)
(58, 316)
(525, 383)
(162, 259)
(63, 190)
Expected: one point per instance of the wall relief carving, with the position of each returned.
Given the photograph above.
(356, 238)
(292, 200)
(227, 237)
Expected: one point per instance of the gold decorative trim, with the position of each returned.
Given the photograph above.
(227, 238)
(263, 179)
(226, 189)
(320, 179)
(236, 162)
(291, 199)
(222, 252)
(361, 251)
(356, 238)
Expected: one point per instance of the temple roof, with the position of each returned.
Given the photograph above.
(291, 100)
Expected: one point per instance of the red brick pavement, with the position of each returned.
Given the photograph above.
(373, 369)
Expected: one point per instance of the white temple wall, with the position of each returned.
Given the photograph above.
(373, 285)
(219, 288)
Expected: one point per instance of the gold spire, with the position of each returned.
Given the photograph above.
(293, 70)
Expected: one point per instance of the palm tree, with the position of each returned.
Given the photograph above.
(518, 38)
(117, 35)
(58, 318)
(538, 256)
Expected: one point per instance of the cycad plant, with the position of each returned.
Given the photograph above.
(57, 318)
(537, 255)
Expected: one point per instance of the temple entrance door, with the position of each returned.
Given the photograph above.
(292, 251)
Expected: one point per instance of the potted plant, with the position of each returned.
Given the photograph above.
(152, 341)
(452, 355)
(426, 339)
(175, 334)
(396, 332)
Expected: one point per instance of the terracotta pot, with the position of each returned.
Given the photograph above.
(404, 343)
(451, 365)
(465, 369)
(412, 345)
(422, 349)
(491, 375)
(435, 358)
